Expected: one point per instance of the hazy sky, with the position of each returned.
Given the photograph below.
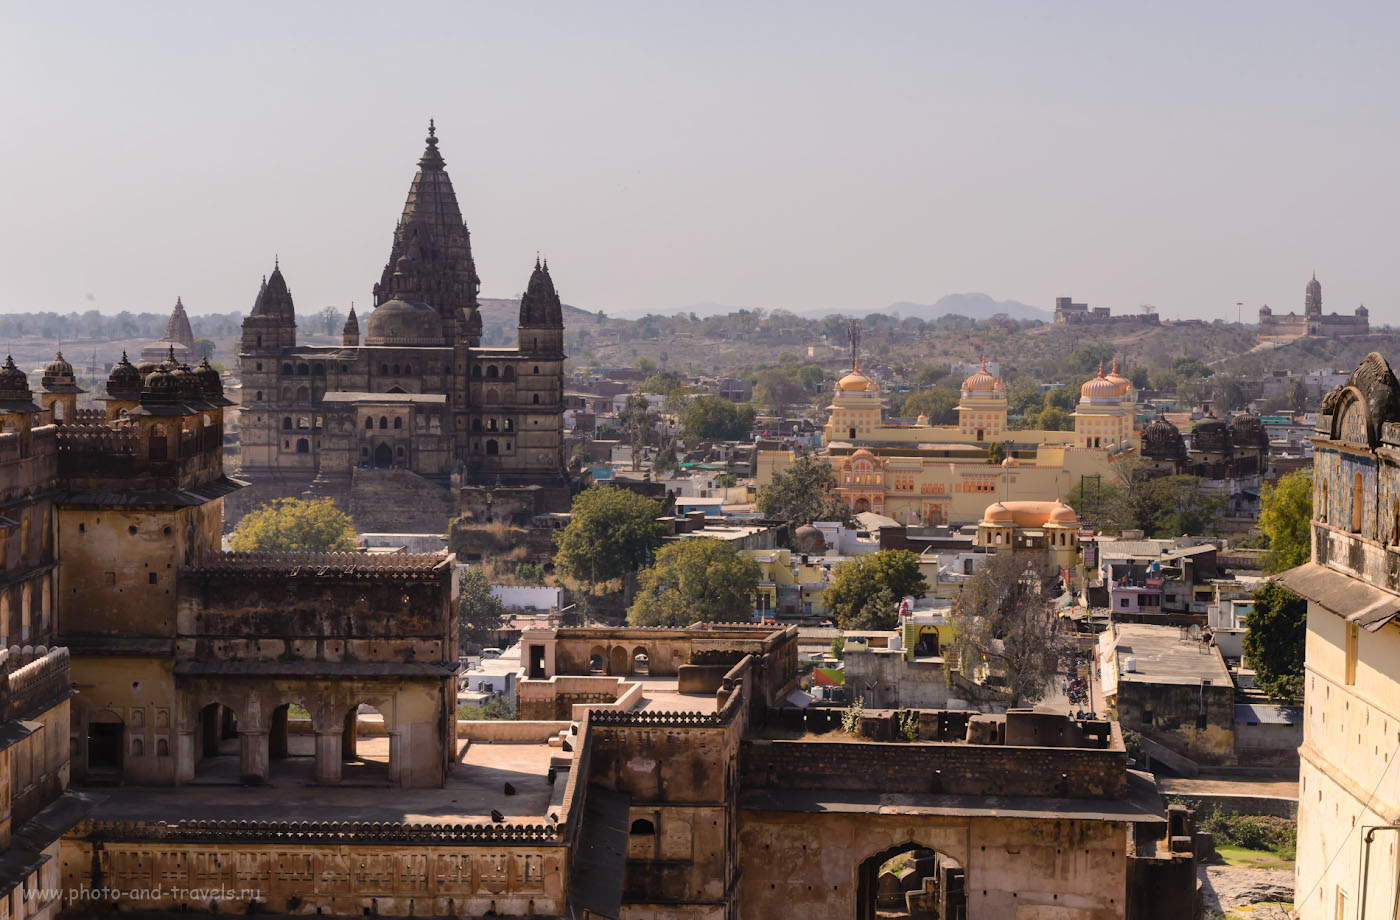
(662, 154)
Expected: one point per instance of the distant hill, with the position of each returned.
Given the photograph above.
(973, 306)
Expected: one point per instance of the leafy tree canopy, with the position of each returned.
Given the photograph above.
(938, 404)
(1275, 633)
(203, 348)
(803, 492)
(1166, 506)
(1007, 624)
(865, 592)
(775, 389)
(695, 581)
(1285, 516)
(716, 417)
(611, 532)
(479, 612)
(295, 525)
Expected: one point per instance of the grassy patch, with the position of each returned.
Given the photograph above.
(1241, 857)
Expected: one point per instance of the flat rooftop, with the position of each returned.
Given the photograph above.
(1162, 656)
(475, 786)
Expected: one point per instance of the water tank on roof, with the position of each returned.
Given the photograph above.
(1130, 665)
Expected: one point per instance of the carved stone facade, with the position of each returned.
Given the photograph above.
(417, 393)
(1351, 729)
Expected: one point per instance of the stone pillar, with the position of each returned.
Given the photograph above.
(277, 738)
(186, 755)
(395, 759)
(252, 756)
(348, 734)
(328, 756)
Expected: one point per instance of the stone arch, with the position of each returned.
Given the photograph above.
(398, 422)
(1358, 502)
(303, 394)
(383, 422)
(508, 373)
(303, 370)
(641, 660)
(493, 396)
(597, 660)
(492, 372)
(619, 662)
(476, 371)
(303, 446)
(492, 447)
(369, 423)
(536, 399)
(369, 748)
(881, 893)
(861, 506)
(383, 457)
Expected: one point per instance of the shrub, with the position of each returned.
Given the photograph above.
(850, 717)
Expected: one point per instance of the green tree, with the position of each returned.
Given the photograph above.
(1051, 418)
(1298, 393)
(1275, 634)
(1007, 625)
(695, 581)
(611, 532)
(1100, 505)
(776, 390)
(1190, 366)
(1170, 506)
(294, 525)
(1285, 517)
(802, 493)
(939, 404)
(203, 348)
(479, 612)
(645, 365)
(638, 424)
(667, 383)
(707, 417)
(996, 452)
(865, 592)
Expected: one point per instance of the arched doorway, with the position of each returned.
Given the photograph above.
(367, 748)
(383, 457)
(217, 744)
(862, 505)
(291, 743)
(621, 661)
(910, 880)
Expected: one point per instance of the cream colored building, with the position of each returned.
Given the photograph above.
(924, 474)
(1349, 781)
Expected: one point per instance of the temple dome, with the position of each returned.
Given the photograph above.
(1118, 380)
(809, 539)
(1162, 441)
(855, 382)
(1063, 515)
(210, 386)
(1210, 434)
(404, 322)
(160, 385)
(998, 513)
(1246, 430)
(982, 381)
(58, 367)
(1099, 388)
(125, 380)
(13, 381)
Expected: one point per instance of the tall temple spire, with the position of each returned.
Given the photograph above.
(431, 259)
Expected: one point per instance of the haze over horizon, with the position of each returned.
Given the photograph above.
(800, 156)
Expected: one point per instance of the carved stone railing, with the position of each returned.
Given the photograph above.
(31, 676)
(291, 832)
(312, 565)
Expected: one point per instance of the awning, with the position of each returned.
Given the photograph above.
(1345, 595)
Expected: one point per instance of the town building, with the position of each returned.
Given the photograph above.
(1313, 322)
(1348, 784)
(928, 475)
(414, 413)
(277, 734)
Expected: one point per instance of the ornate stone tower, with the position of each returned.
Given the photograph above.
(270, 328)
(1312, 298)
(350, 334)
(431, 258)
(60, 390)
(541, 316)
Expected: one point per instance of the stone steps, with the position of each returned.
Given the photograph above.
(399, 501)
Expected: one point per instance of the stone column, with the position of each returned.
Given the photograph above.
(349, 734)
(328, 757)
(185, 755)
(252, 756)
(395, 759)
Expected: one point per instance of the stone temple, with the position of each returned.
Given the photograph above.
(411, 410)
